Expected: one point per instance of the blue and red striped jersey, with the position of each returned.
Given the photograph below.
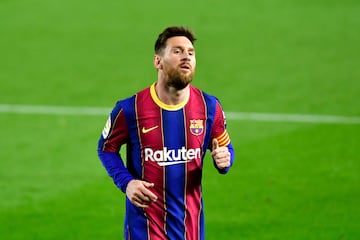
(165, 145)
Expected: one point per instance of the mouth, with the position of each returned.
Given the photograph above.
(185, 67)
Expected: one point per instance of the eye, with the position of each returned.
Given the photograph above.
(177, 51)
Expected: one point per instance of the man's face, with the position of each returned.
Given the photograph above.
(179, 62)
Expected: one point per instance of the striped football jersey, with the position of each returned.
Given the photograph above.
(165, 145)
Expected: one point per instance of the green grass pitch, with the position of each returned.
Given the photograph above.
(290, 180)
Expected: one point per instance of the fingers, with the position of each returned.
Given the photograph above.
(221, 155)
(141, 200)
(222, 161)
(147, 193)
(139, 194)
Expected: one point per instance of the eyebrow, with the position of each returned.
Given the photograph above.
(181, 47)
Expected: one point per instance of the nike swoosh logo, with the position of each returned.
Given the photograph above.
(172, 163)
(146, 130)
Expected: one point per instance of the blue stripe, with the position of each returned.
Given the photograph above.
(134, 216)
(211, 110)
(135, 219)
(174, 138)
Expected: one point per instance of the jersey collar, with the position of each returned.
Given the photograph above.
(164, 105)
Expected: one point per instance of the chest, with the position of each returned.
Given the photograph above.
(159, 129)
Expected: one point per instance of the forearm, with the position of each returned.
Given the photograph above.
(115, 168)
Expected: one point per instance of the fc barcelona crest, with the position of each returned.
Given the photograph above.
(196, 126)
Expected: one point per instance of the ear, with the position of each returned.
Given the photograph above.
(157, 61)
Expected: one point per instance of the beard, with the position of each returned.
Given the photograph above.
(177, 79)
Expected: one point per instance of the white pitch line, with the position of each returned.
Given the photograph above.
(283, 117)
(53, 110)
(244, 116)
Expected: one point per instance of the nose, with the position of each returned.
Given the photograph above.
(185, 55)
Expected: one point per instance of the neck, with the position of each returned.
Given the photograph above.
(170, 95)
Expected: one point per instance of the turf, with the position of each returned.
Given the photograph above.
(289, 181)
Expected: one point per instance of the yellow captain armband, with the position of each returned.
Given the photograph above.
(223, 139)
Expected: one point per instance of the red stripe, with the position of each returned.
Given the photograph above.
(149, 116)
(219, 126)
(117, 134)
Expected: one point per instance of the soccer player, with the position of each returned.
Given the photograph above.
(167, 129)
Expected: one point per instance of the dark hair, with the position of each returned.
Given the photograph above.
(170, 32)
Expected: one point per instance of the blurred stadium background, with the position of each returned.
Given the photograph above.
(292, 179)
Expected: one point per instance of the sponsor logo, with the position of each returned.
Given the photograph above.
(196, 126)
(146, 130)
(224, 117)
(107, 128)
(167, 156)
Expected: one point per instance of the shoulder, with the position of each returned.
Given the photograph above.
(208, 98)
(128, 105)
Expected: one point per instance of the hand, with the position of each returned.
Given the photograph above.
(139, 194)
(221, 155)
